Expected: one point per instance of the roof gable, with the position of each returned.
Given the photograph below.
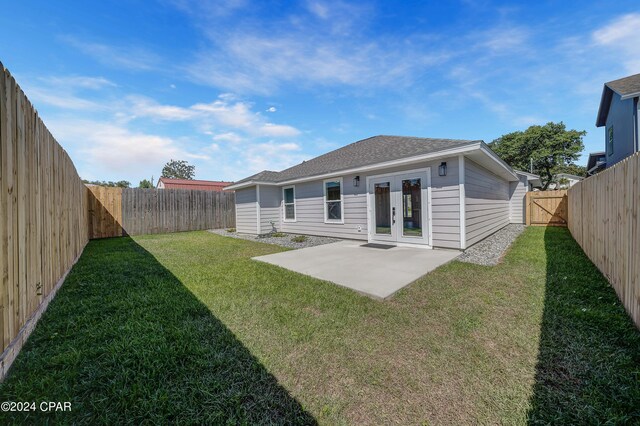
(627, 87)
(366, 152)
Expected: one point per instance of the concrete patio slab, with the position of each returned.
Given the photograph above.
(373, 271)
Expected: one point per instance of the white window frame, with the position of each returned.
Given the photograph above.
(324, 200)
(284, 205)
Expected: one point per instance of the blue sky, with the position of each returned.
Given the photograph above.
(236, 86)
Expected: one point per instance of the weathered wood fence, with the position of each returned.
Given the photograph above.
(605, 221)
(546, 208)
(115, 212)
(43, 217)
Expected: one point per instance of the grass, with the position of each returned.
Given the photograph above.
(299, 239)
(185, 328)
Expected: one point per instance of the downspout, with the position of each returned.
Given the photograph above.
(258, 209)
(636, 124)
(463, 200)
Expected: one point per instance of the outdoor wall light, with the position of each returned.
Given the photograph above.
(442, 169)
(356, 181)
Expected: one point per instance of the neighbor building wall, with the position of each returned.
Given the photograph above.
(517, 199)
(246, 210)
(487, 207)
(270, 208)
(621, 116)
(445, 197)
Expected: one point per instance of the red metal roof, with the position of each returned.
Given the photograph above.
(206, 185)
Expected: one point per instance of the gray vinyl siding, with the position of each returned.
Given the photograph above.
(486, 202)
(310, 210)
(246, 214)
(270, 207)
(445, 204)
(445, 197)
(517, 193)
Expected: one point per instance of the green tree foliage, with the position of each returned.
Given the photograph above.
(119, 184)
(552, 149)
(144, 183)
(178, 169)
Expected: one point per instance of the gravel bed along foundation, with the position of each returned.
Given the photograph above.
(284, 240)
(490, 250)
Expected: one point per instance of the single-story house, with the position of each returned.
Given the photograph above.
(564, 181)
(388, 189)
(618, 114)
(203, 185)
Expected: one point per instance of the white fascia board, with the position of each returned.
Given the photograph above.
(247, 184)
(486, 150)
(629, 96)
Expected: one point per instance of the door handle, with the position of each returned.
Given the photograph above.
(393, 215)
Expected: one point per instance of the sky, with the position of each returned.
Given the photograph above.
(235, 86)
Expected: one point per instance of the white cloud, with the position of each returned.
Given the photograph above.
(79, 82)
(621, 36)
(228, 137)
(109, 149)
(271, 109)
(270, 155)
(129, 57)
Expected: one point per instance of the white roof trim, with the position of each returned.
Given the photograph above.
(531, 175)
(466, 149)
(629, 96)
(247, 184)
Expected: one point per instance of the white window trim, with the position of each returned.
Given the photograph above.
(284, 210)
(324, 200)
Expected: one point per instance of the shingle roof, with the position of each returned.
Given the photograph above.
(376, 149)
(626, 86)
(263, 176)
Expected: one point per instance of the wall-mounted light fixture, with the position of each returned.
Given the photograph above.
(442, 169)
(356, 181)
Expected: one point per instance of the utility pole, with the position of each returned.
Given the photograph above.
(531, 165)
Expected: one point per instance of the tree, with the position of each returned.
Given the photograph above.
(119, 184)
(550, 148)
(144, 183)
(178, 169)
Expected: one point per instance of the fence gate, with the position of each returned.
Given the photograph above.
(547, 208)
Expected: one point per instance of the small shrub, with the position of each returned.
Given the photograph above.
(231, 229)
(278, 234)
(299, 239)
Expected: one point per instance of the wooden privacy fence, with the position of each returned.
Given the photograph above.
(605, 221)
(115, 212)
(547, 208)
(43, 217)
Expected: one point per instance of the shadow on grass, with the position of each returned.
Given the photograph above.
(126, 343)
(588, 368)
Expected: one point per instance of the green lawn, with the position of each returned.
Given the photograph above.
(185, 328)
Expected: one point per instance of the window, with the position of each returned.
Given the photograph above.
(333, 200)
(289, 202)
(610, 141)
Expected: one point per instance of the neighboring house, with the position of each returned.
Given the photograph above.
(597, 161)
(203, 185)
(388, 189)
(618, 113)
(564, 181)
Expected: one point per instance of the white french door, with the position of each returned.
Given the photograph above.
(398, 207)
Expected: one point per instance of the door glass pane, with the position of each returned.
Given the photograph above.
(382, 194)
(412, 208)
